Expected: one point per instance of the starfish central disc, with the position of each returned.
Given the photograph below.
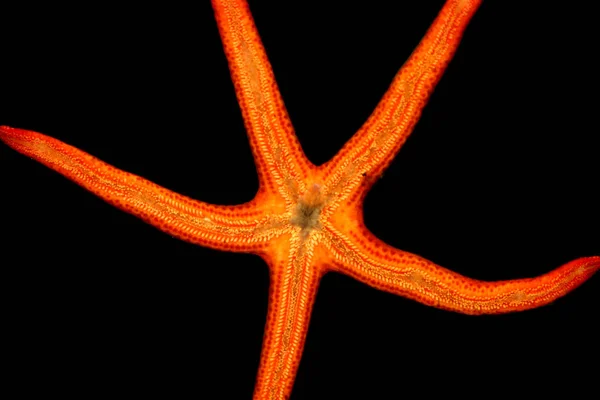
(308, 210)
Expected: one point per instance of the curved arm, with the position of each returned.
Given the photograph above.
(372, 148)
(405, 274)
(276, 149)
(187, 219)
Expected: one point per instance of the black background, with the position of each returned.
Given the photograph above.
(497, 182)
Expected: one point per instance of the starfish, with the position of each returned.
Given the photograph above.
(306, 220)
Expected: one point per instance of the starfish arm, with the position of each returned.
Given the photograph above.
(373, 147)
(371, 261)
(232, 228)
(279, 159)
(294, 282)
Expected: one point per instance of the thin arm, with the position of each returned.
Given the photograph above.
(277, 152)
(414, 277)
(373, 147)
(295, 276)
(187, 219)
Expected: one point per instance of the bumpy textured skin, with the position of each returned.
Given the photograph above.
(307, 220)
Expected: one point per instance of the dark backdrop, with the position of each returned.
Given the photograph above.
(497, 182)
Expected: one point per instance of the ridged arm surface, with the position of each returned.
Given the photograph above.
(366, 155)
(245, 228)
(358, 253)
(295, 271)
(281, 164)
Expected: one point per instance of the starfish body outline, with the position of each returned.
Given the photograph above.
(300, 204)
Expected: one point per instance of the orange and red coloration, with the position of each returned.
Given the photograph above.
(307, 220)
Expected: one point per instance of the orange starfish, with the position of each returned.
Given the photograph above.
(307, 220)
